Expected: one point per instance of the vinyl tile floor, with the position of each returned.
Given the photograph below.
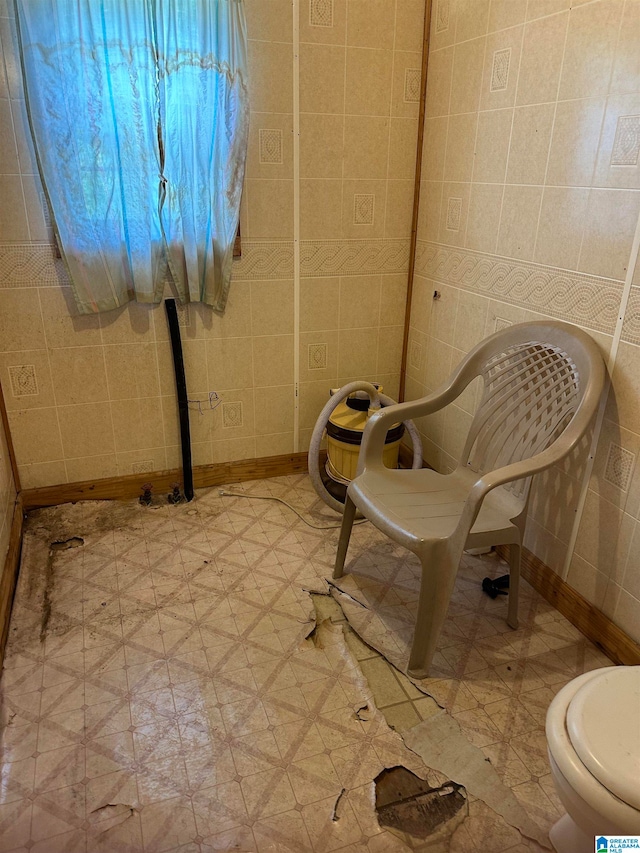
(170, 684)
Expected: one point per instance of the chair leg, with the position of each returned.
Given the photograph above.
(515, 554)
(345, 534)
(439, 569)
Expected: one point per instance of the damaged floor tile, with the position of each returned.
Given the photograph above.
(179, 678)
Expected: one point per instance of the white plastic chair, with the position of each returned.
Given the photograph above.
(542, 385)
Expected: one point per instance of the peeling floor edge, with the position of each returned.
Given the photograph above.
(442, 746)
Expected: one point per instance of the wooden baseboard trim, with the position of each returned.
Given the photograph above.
(593, 623)
(127, 487)
(10, 574)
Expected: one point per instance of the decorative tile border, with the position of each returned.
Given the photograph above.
(35, 264)
(353, 257)
(30, 265)
(585, 299)
(631, 326)
(264, 260)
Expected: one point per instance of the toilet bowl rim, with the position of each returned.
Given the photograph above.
(584, 783)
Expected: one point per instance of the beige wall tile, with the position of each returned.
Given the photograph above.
(313, 396)
(403, 137)
(126, 461)
(461, 139)
(274, 408)
(319, 303)
(368, 81)
(92, 468)
(270, 61)
(335, 34)
(619, 109)
(132, 370)
(539, 8)
(36, 435)
(610, 223)
(13, 216)
(627, 614)
(393, 295)
(453, 213)
(421, 302)
(64, 327)
(530, 140)
(434, 148)
(86, 429)
(241, 432)
(541, 62)
(273, 361)
(236, 321)
(270, 205)
(409, 26)
(370, 23)
(399, 209)
(624, 401)
(359, 301)
(79, 375)
(466, 80)
(323, 343)
(195, 366)
(229, 450)
(439, 82)
(519, 222)
(407, 73)
(259, 163)
(8, 150)
(138, 424)
(472, 18)
(320, 209)
(24, 142)
(34, 206)
(270, 20)
(430, 207)
(443, 314)
(506, 13)
(626, 64)
(20, 320)
(358, 352)
(485, 204)
(389, 349)
(366, 147)
(492, 145)
(230, 363)
(133, 323)
(561, 226)
(443, 24)
(589, 50)
(38, 474)
(357, 212)
(321, 145)
(271, 307)
(499, 84)
(274, 445)
(322, 70)
(574, 145)
(20, 394)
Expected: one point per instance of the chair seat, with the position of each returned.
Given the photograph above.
(416, 507)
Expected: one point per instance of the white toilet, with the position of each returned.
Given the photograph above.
(593, 735)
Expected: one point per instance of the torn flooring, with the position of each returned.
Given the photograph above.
(170, 697)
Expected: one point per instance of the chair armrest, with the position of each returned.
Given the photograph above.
(381, 422)
(508, 474)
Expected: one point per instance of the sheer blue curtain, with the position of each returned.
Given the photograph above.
(139, 114)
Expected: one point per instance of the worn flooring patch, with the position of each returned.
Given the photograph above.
(177, 697)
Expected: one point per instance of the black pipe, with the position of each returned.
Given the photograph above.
(181, 390)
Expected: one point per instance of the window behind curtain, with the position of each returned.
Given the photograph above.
(139, 114)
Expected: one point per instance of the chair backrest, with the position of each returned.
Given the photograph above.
(540, 380)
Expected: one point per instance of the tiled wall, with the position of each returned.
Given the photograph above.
(93, 397)
(529, 204)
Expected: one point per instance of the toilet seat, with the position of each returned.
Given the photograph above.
(615, 814)
(603, 722)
